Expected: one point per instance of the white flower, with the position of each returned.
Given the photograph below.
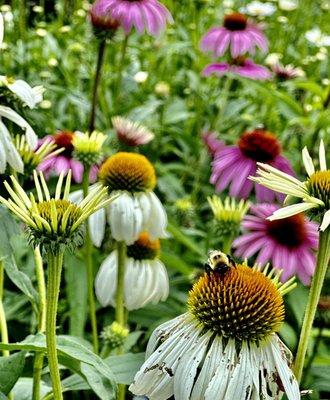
(146, 279)
(314, 192)
(131, 133)
(29, 96)
(288, 5)
(211, 352)
(141, 77)
(273, 58)
(258, 9)
(316, 37)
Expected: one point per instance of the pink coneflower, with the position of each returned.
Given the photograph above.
(131, 133)
(234, 164)
(212, 143)
(286, 72)
(65, 161)
(236, 32)
(149, 15)
(287, 243)
(101, 20)
(239, 66)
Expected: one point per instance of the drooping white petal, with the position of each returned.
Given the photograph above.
(325, 221)
(137, 284)
(210, 365)
(97, 223)
(288, 380)
(308, 162)
(323, 162)
(3, 159)
(157, 222)
(12, 155)
(31, 137)
(187, 369)
(291, 210)
(28, 95)
(106, 281)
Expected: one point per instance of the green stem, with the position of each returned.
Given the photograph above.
(323, 257)
(39, 357)
(226, 245)
(3, 322)
(90, 270)
(97, 77)
(120, 70)
(224, 100)
(55, 263)
(309, 363)
(120, 297)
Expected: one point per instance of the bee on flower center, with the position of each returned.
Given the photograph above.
(219, 262)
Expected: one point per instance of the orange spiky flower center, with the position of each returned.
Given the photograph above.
(235, 22)
(144, 248)
(259, 145)
(242, 304)
(64, 139)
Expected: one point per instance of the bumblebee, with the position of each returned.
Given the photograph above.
(219, 263)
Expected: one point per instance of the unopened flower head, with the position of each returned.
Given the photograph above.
(314, 192)
(131, 133)
(137, 209)
(237, 33)
(53, 223)
(32, 158)
(87, 148)
(228, 214)
(146, 279)
(225, 346)
(114, 335)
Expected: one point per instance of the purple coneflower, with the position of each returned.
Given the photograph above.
(65, 161)
(286, 72)
(234, 164)
(131, 133)
(102, 20)
(212, 143)
(238, 66)
(236, 32)
(149, 15)
(287, 243)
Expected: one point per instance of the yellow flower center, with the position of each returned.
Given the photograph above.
(319, 186)
(128, 171)
(242, 304)
(144, 248)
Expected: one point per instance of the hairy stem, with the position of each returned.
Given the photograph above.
(39, 357)
(97, 77)
(322, 263)
(55, 263)
(90, 270)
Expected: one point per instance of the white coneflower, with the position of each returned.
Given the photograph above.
(87, 148)
(29, 96)
(314, 192)
(131, 133)
(132, 178)
(225, 347)
(53, 223)
(146, 279)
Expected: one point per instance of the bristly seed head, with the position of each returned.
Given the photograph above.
(144, 248)
(290, 232)
(259, 145)
(235, 22)
(128, 171)
(318, 185)
(243, 304)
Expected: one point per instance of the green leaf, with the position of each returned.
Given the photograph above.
(175, 263)
(125, 366)
(76, 289)
(77, 357)
(23, 389)
(11, 369)
(177, 234)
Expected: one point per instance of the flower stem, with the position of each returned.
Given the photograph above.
(120, 308)
(3, 322)
(55, 263)
(97, 77)
(323, 257)
(90, 270)
(39, 357)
